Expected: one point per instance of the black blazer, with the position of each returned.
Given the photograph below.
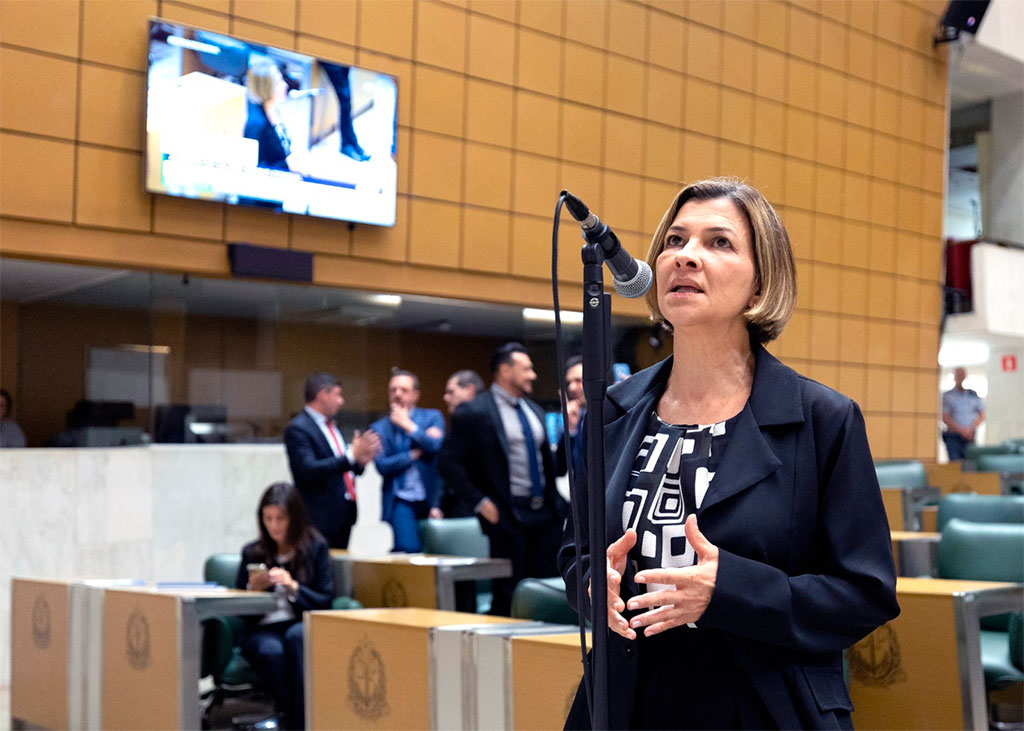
(316, 585)
(319, 477)
(473, 460)
(805, 559)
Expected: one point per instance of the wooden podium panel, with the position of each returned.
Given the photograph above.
(546, 671)
(370, 668)
(141, 663)
(40, 625)
(950, 478)
(388, 582)
(922, 670)
(892, 501)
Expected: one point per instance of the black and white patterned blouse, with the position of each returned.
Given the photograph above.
(671, 475)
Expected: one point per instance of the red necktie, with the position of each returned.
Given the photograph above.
(350, 480)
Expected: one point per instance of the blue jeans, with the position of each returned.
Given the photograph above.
(956, 446)
(404, 519)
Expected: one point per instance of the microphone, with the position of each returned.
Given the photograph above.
(631, 277)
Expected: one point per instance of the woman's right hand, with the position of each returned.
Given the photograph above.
(617, 553)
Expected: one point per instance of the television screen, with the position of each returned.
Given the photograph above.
(242, 123)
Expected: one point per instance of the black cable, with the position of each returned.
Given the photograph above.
(573, 503)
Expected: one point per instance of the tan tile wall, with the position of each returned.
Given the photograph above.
(834, 108)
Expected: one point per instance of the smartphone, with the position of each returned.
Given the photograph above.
(256, 569)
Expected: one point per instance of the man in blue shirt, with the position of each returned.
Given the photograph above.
(962, 413)
(410, 437)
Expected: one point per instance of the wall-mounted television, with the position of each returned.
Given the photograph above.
(241, 123)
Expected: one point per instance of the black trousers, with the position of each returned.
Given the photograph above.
(532, 549)
(275, 653)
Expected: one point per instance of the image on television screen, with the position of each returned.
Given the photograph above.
(254, 125)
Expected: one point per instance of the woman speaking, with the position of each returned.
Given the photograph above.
(749, 542)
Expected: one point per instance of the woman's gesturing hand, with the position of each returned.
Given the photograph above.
(617, 553)
(689, 592)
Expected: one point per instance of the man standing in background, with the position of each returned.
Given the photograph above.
(323, 466)
(576, 409)
(462, 386)
(410, 437)
(497, 459)
(962, 413)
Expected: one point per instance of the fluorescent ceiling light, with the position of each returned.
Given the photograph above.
(155, 349)
(569, 317)
(963, 353)
(193, 45)
(388, 300)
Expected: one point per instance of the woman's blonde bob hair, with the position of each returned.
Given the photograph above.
(774, 269)
(262, 77)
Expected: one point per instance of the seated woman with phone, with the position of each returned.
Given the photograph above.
(290, 559)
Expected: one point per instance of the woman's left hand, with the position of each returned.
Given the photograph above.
(284, 578)
(693, 587)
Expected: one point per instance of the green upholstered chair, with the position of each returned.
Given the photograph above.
(221, 655)
(989, 552)
(454, 537)
(980, 508)
(543, 600)
(901, 473)
(1010, 468)
(911, 480)
(973, 451)
(459, 537)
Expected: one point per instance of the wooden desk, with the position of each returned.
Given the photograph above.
(151, 652)
(412, 579)
(950, 478)
(904, 505)
(41, 654)
(96, 654)
(916, 553)
(923, 669)
(471, 672)
(546, 672)
(371, 668)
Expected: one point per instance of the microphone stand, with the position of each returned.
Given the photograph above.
(596, 345)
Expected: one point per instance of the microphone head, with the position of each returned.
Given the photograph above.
(639, 284)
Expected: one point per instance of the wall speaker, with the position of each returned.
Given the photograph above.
(265, 262)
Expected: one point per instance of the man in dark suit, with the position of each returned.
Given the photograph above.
(496, 458)
(323, 466)
(576, 408)
(410, 437)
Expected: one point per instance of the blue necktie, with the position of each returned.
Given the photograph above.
(531, 451)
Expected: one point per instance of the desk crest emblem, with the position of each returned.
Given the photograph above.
(367, 682)
(41, 623)
(875, 660)
(392, 594)
(137, 640)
